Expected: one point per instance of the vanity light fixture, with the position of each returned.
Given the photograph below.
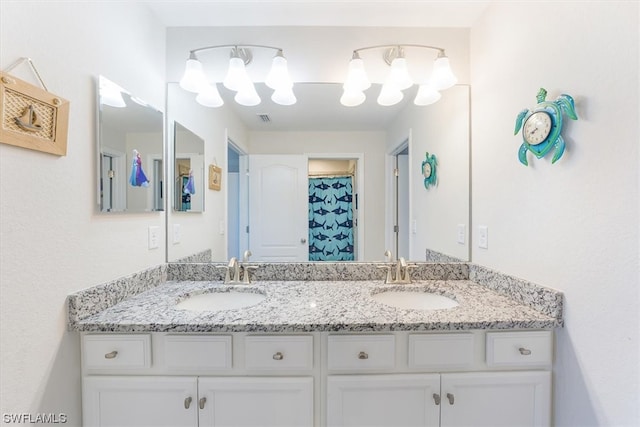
(398, 78)
(237, 79)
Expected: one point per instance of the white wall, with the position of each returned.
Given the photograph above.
(52, 240)
(200, 231)
(371, 144)
(572, 225)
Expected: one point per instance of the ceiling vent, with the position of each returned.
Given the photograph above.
(264, 117)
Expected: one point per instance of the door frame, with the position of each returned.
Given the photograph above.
(390, 180)
(243, 195)
(358, 190)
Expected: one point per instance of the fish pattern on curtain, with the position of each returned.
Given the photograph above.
(331, 219)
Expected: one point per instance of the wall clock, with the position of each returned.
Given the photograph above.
(542, 127)
(429, 170)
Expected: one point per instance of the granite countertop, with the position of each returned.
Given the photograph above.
(306, 306)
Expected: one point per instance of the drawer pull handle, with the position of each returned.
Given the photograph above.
(201, 402)
(362, 355)
(111, 355)
(436, 398)
(187, 402)
(524, 351)
(278, 356)
(450, 397)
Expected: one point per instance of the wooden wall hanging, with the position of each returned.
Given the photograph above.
(215, 177)
(32, 117)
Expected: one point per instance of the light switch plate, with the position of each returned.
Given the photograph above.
(177, 234)
(483, 237)
(154, 237)
(461, 233)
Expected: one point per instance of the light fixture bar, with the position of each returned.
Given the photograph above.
(398, 79)
(237, 78)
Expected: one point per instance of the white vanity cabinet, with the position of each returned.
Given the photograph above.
(395, 379)
(234, 380)
(439, 379)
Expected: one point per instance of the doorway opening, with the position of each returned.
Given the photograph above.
(237, 204)
(401, 210)
(334, 209)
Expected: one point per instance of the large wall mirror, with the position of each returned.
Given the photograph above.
(130, 151)
(188, 170)
(354, 156)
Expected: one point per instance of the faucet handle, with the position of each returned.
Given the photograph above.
(246, 278)
(388, 256)
(246, 255)
(227, 276)
(388, 278)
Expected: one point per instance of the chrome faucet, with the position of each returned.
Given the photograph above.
(401, 270)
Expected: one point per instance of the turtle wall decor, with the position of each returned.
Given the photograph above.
(542, 127)
(429, 166)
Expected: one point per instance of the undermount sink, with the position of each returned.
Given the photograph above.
(216, 301)
(414, 300)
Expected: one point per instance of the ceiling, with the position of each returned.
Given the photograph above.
(318, 106)
(373, 13)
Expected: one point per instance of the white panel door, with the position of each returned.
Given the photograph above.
(278, 208)
(383, 400)
(256, 402)
(139, 401)
(496, 399)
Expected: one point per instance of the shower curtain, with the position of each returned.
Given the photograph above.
(331, 219)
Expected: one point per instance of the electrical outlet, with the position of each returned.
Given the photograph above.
(483, 237)
(461, 233)
(154, 237)
(177, 234)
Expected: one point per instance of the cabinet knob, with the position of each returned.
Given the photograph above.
(450, 397)
(187, 402)
(436, 398)
(111, 355)
(362, 355)
(524, 351)
(303, 240)
(201, 402)
(278, 356)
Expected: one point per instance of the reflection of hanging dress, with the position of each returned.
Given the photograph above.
(138, 178)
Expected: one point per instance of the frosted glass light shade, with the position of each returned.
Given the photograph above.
(399, 75)
(442, 76)
(237, 78)
(284, 96)
(426, 95)
(248, 96)
(357, 79)
(210, 97)
(193, 79)
(278, 77)
(389, 95)
(352, 98)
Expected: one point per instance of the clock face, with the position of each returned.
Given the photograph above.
(426, 170)
(537, 128)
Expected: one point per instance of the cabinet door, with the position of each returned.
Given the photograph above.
(139, 401)
(249, 401)
(383, 400)
(496, 399)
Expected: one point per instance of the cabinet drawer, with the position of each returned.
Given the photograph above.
(361, 352)
(197, 352)
(117, 351)
(441, 350)
(519, 348)
(278, 352)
